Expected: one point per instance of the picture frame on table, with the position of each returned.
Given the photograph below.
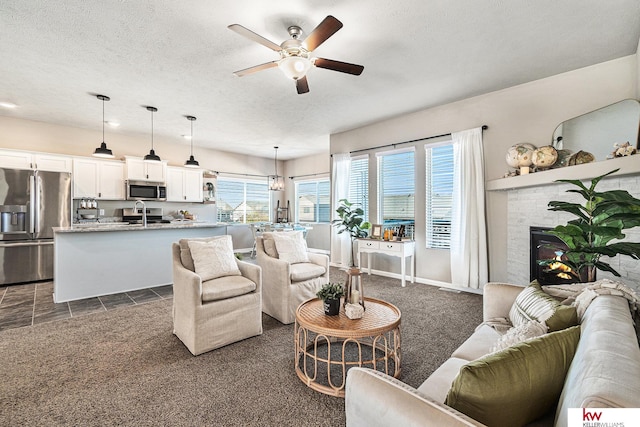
(376, 231)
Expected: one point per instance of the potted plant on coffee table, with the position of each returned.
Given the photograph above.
(330, 294)
(599, 220)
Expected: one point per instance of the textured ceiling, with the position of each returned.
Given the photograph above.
(179, 57)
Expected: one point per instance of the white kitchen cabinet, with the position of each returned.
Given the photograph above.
(52, 162)
(99, 179)
(184, 185)
(17, 159)
(139, 170)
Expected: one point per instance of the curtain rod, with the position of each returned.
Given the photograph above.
(240, 174)
(484, 127)
(309, 174)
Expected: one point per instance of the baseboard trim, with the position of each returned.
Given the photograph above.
(423, 281)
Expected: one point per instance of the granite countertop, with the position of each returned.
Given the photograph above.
(121, 226)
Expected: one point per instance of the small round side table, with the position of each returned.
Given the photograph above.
(327, 346)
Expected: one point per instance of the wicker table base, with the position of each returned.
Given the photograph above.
(327, 346)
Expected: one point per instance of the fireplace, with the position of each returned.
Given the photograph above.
(544, 246)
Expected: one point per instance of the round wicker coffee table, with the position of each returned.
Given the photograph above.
(327, 346)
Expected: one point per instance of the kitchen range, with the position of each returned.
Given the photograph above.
(136, 215)
(31, 203)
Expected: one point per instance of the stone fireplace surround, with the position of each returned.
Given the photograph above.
(527, 206)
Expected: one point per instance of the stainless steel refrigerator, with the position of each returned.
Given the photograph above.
(31, 203)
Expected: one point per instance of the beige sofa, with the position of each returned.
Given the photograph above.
(605, 371)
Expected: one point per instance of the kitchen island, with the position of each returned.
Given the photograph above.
(100, 259)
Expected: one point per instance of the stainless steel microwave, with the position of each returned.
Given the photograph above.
(142, 190)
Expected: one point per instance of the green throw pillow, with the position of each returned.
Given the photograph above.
(534, 304)
(517, 385)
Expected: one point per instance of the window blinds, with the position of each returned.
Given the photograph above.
(313, 201)
(359, 184)
(439, 192)
(396, 182)
(242, 201)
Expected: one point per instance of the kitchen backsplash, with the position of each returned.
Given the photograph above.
(203, 212)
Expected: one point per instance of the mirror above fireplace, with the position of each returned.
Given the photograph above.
(597, 131)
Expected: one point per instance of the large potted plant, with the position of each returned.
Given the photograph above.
(330, 294)
(599, 220)
(351, 221)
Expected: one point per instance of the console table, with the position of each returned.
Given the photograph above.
(402, 249)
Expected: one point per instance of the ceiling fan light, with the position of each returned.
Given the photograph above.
(103, 151)
(294, 67)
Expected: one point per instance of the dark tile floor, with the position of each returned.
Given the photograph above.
(32, 303)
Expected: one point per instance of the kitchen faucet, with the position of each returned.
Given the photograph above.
(144, 211)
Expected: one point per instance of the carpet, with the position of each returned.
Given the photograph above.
(125, 367)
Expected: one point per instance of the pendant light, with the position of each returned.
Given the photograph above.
(102, 150)
(191, 163)
(152, 156)
(276, 182)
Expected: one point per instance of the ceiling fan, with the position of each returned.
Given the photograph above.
(295, 54)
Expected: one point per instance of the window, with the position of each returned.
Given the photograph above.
(359, 184)
(313, 201)
(396, 191)
(242, 201)
(439, 195)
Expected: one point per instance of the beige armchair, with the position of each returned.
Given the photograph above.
(287, 285)
(213, 313)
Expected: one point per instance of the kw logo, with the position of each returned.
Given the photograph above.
(590, 416)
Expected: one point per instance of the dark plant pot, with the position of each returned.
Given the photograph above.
(588, 274)
(331, 307)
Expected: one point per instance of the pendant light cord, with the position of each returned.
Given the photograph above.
(276, 161)
(151, 129)
(102, 119)
(191, 137)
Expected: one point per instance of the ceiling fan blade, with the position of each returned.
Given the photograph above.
(322, 32)
(302, 85)
(256, 68)
(343, 67)
(253, 36)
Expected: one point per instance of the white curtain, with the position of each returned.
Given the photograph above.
(340, 243)
(469, 265)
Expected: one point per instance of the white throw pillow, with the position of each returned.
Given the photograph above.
(291, 246)
(526, 331)
(214, 258)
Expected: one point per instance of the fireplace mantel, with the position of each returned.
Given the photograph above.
(628, 166)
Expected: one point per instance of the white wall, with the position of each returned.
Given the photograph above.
(524, 113)
(39, 136)
(46, 137)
